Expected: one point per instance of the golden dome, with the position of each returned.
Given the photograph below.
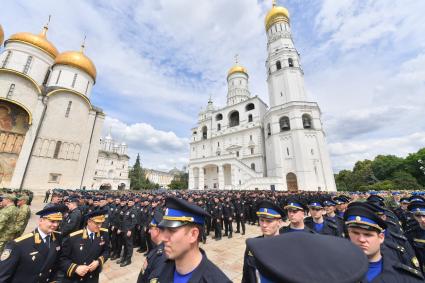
(237, 69)
(78, 60)
(1, 35)
(39, 41)
(276, 14)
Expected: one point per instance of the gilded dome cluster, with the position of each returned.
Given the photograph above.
(1, 35)
(76, 59)
(276, 14)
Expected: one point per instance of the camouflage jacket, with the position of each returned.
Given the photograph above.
(7, 222)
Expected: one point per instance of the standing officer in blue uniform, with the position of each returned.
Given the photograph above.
(318, 223)
(33, 256)
(182, 227)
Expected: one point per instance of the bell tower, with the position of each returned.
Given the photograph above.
(295, 142)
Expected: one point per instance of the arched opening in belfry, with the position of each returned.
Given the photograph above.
(278, 65)
(307, 121)
(219, 117)
(291, 62)
(234, 119)
(204, 132)
(291, 182)
(14, 124)
(249, 107)
(284, 124)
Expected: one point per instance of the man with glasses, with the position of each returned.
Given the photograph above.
(85, 251)
(32, 257)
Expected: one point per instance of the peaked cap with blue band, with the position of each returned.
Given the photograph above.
(292, 257)
(295, 205)
(360, 215)
(417, 207)
(315, 204)
(179, 212)
(156, 219)
(329, 203)
(267, 209)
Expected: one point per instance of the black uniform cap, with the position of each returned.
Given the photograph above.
(179, 212)
(295, 258)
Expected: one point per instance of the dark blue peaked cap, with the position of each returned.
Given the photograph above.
(295, 258)
(179, 212)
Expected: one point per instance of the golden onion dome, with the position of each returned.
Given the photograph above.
(78, 60)
(39, 41)
(276, 14)
(1, 35)
(237, 69)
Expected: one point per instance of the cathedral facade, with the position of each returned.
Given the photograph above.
(111, 172)
(49, 129)
(248, 145)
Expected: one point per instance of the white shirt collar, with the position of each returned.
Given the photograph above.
(89, 232)
(42, 234)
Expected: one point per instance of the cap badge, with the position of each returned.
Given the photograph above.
(358, 218)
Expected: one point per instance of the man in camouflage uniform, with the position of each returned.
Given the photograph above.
(24, 214)
(7, 220)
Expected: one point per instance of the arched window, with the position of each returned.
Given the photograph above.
(218, 127)
(290, 62)
(11, 90)
(307, 123)
(269, 130)
(284, 124)
(253, 166)
(234, 119)
(204, 132)
(278, 65)
(6, 60)
(218, 117)
(250, 118)
(249, 107)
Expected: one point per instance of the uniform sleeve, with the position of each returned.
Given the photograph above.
(9, 260)
(248, 272)
(65, 262)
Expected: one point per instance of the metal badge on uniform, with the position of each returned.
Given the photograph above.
(33, 258)
(154, 280)
(58, 248)
(127, 213)
(102, 242)
(5, 254)
(81, 247)
(69, 220)
(132, 216)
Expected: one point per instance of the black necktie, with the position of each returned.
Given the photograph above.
(47, 241)
(92, 237)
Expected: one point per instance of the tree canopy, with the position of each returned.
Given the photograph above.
(384, 172)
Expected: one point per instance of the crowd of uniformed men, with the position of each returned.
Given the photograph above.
(78, 231)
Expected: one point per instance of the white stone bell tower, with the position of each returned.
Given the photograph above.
(294, 139)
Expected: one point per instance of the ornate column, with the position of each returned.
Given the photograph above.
(220, 177)
(201, 180)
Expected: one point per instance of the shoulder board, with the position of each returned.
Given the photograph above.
(395, 246)
(104, 229)
(410, 270)
(57, 232)
(26, 236)
(333, 225)
(76, 233)
(398, 236)
(331, 220)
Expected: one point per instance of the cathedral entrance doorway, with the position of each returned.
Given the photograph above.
(105, 187)
(291, 182)
(211, 177)
(14, 124)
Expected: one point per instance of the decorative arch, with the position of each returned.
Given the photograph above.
(20, 105)
(307, 121)
(249, 107)
(22, 75)
(56, 91)
(219, 117)
(204, 132)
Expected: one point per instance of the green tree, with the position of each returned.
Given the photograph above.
(405, 181)
(344, 180)
(413, 166)
(383, 166)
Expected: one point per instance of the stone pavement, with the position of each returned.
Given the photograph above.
(226, 254)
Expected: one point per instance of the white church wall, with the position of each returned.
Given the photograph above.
(72, 78)
(24, 92)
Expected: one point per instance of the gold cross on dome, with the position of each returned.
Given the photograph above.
(236, 59)
(274, 3)
(83, 44)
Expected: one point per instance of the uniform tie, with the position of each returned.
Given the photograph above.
(91, 237)
(47, 241)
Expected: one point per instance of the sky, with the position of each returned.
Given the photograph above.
(158, 62)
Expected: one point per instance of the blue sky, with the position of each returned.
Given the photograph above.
(159, 61)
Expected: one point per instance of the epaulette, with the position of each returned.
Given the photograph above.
(398, 236)
(23, 237)
(395, 246)
(76, 233)
(57, 232)
(104, 229)
(409, 270)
